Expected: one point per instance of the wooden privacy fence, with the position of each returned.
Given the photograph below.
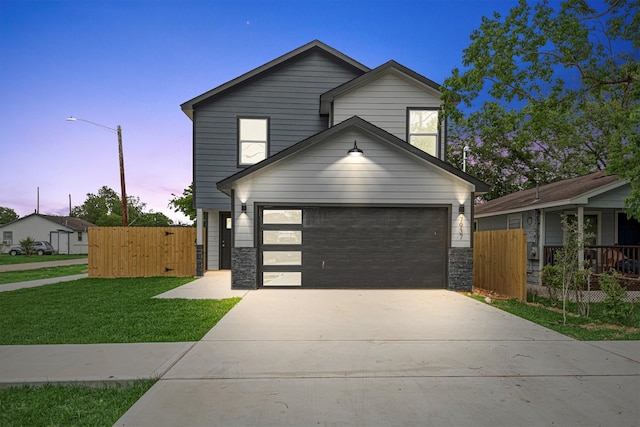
(142, 251)
(500, 262)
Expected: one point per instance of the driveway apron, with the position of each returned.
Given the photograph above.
(390, 358)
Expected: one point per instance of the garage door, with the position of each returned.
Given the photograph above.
(354, 247)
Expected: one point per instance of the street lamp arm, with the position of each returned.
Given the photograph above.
(118, 131)
(73, 119)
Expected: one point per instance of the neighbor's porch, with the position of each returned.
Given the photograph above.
(601, 258)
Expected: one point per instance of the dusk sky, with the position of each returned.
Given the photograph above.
(133, 62)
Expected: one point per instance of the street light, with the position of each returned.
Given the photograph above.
(118, 131)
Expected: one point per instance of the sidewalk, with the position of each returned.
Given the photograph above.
(43, 264)
(103, 363)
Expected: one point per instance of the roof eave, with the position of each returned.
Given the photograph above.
(188, 107)
(327, 98)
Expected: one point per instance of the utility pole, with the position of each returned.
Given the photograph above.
(125, 211)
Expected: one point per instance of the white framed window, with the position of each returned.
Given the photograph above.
(7, 238)
(422, 129)
(79, 236)
(253, 140)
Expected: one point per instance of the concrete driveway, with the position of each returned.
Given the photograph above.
(390, 358)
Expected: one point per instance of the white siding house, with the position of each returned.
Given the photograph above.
(67, 235)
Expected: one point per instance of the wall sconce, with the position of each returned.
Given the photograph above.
(355, 151)
(461, 209)
(243, 208)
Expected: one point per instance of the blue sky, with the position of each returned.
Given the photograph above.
(133, 62)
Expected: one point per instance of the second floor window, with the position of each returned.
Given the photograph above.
(253, 140)
(422, 130)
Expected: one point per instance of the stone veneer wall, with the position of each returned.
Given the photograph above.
(243, 268)
(199, 260)
(461, 269)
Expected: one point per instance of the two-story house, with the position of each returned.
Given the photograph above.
(318, 172)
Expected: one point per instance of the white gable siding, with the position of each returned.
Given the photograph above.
(384, 103)
(325, 174)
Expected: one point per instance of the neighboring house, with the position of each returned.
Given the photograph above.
(595, 200)
(67, 235)
(286, 204)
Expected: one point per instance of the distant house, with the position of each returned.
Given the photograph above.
(68, 235)
(319, 172)
(596, 200)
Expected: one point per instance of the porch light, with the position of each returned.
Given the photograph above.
(243, 208)
(461, 209)
(355, 151)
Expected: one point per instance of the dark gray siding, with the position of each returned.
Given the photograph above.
(289, 95)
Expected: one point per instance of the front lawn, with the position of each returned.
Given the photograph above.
(68, 405)
(88, 311)
(596, 327)
(6, 259)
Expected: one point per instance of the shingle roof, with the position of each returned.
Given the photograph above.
(568, 191)
(73, 223)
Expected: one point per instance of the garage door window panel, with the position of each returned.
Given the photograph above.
(281, 247)
(282, 258)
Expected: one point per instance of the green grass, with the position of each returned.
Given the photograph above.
(89, 311)
(596, 327)
(41, 273)
(77, 405)
(6, 259)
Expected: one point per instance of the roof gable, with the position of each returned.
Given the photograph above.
(315, 45)
(389, 67)
(354, 122)
(72, 223)
(566, 192)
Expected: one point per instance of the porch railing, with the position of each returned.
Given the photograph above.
(624, 259)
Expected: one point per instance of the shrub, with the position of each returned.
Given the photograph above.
(615, 306)
(27, 245)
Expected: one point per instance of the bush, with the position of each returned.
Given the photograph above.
(615, 306)
(27, 245)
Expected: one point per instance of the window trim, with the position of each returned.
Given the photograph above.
(239, 142)
(438, 133)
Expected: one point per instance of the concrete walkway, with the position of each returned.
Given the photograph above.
(42, 264)
(357, 358)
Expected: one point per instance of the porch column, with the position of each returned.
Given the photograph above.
(580, 236)
(542, 242)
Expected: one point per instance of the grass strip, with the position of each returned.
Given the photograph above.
(68, 405)
(89, 311)
(593, 328)
(41, 273)
(6, 259)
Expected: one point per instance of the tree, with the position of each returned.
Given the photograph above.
(7, 215)
(184, 203)
(152, 219)
(563, 95)
(105, 208)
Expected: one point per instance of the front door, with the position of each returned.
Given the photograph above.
(225, 240)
